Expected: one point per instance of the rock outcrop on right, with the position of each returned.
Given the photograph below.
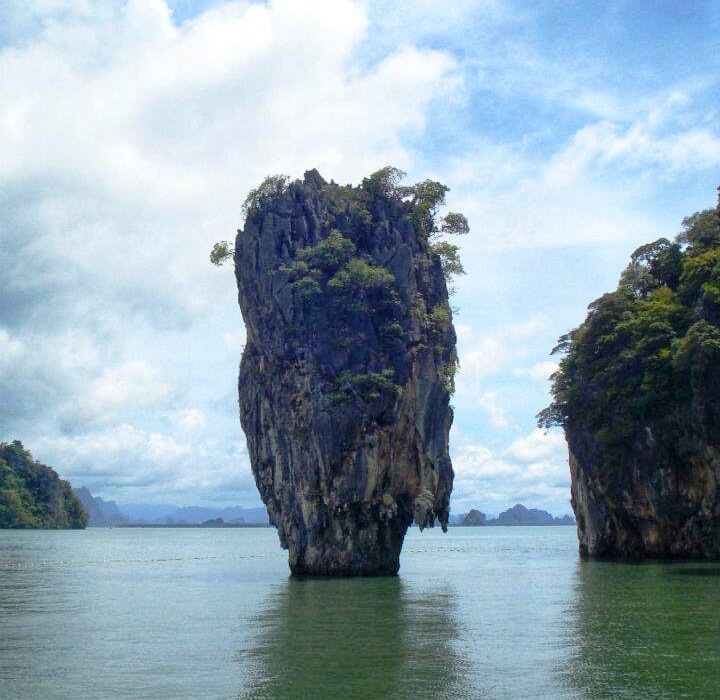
(638, 395)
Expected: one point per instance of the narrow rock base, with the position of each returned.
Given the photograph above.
(347, 547)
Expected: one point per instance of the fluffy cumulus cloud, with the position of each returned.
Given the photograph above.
(129, 141)
(131, 132)
(532, 469)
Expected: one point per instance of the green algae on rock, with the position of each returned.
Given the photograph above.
(638, 395)
(346, 376)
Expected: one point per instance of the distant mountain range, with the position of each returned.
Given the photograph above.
(108, 513)
(100, 513)
(193, 515)
(517, 515)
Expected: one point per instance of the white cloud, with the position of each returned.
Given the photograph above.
(536, 446)
(491, 352)
(489, 403)
(472, 462)
(127, 463)
(539, 372)
(10, 348)
(129, 143)
(135, 382)
(189, 419)
(532, 470)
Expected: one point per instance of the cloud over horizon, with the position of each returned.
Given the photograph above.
(132, 131)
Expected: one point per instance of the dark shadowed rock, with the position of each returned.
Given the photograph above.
(345, 377)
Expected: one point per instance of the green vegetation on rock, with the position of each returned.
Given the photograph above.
(646, 349)
(345, 380)
(32, 495)
(355, 292)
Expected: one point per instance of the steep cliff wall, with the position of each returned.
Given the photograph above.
(345, 377)
(638, 395)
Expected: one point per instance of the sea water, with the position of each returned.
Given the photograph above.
(491, 612)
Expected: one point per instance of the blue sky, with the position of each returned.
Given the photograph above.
(569, 133)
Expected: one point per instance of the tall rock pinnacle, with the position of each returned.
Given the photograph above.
(346, 376)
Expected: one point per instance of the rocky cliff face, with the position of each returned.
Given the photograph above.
(345, 377)
(658, 498)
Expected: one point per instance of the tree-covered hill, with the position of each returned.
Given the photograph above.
(32, 495)
(649, 351)
(638, 395)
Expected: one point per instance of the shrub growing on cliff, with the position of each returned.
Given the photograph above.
(648, 347)
(271, 187)
(369, 386)
(221, 252)
(422, 200)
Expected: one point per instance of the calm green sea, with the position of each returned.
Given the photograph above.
(477, 613)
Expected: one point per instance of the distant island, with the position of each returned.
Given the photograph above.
(102, 513)
(214, 523)
(33, 496)
(517, 515)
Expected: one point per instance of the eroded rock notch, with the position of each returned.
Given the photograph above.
(346, 376)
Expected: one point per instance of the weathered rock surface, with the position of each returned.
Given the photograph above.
(343, 382)
(658, 499)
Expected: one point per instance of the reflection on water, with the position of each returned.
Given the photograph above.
(500, 613)
(645, 632)
(355, 638)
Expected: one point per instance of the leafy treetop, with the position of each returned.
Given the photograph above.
(424, 201)
(649, 346)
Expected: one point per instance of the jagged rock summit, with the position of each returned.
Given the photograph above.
(347, 372)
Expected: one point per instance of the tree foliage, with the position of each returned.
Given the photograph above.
(32, 495)
(423, 201)
(270, 188)
(647, 348)
(221, 252)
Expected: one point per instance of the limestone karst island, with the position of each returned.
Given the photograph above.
(350, 360)
(638, 394)
(359, 350)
